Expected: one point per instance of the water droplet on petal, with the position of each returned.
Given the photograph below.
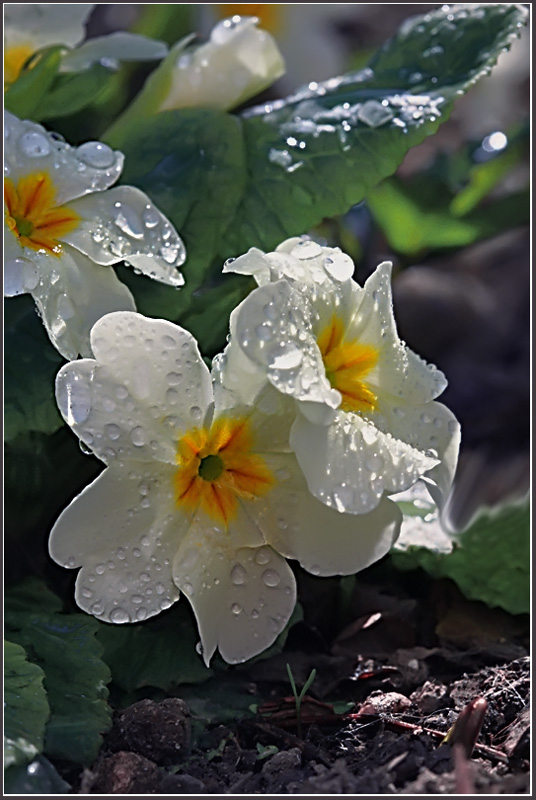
(119, 615)
(112, 431)
(34, 144)
(288, 357)
(188, 589)
(128, 221)
(96, 154)
(238, 575)
(236, 608)
(138, 436)
(262, 556)
(271, 578)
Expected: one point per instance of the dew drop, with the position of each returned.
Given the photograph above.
(271, 578)
(264, 332)
(138, 436)
(99, 569)
(238, 575)
(96, 154)
(151, 217)
(188, 589)
(34, 144)
(128, 221)
(137, 599)
(141, 613)
(112, 431)
(97, 609)
(262, 556)
(290, 358)
(119, 615)
(236, 608)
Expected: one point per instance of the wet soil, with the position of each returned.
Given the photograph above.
(413, 660)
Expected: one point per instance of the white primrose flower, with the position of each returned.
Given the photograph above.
(368, 423)
(199, 495)
(64, 227)
(31, 26)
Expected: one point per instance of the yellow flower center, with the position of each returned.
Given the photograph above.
(32, 215)
(269, 14)
(347, 363)
(217, 468)
(14, 59)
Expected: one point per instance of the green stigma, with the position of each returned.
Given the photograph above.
(210, 468)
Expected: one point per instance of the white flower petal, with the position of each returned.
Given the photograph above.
(122, 530)
(75, 171)
(123, 225)
(399, 373)
(20, 272)
(238, 62)
(432, 427)
(253, 263)
(349, 464)
(274, 328)
(323, 540)
(147, 386)
(242, 599)
(43, 24)
(72, 293)
(114, 47)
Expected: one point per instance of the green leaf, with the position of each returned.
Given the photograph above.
(72, 92)
(490, 561)
(66, 649)
(26, 707)
(160, 652)
(38, 778)
(30, 367)
(25, 95)
(318, 153)
(230, 183)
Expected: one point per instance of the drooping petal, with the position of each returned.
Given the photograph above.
(323, 540)
(242, 599)
(146, 386)
(123, 531)
(123, 225)
(274, 328)
(74, 171)
(113, 48)
(72, 293)
(350, 464)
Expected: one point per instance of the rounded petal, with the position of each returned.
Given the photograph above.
(75, 171)
(323, 540)
(123, 225)
(43, 24)
(147, 386)
(72, 293)
(400, 374)
(123, 533)
(350, 464)
(242, 599)
(114, 47)
(273, 327)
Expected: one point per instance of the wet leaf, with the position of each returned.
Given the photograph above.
(26, 708)
(490, 561)
(72, 92)
(65, 648)
(24, 96)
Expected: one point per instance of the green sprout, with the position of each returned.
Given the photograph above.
(299, 697)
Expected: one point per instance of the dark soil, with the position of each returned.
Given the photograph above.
(396, 678)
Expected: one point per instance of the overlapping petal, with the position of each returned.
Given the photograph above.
(145, 387)
(42, 24)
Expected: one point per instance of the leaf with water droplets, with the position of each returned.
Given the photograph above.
(66, 649)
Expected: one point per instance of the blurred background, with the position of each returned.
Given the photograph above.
(454, 220)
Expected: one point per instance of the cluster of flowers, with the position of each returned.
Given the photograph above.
(289, 448)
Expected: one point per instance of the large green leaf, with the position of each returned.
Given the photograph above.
(230, 183)
(65, 647)
(490, 561)
(73, 91)
(26, 707)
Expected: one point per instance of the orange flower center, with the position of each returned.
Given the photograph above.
(32, 215)
(217, 468)
(14, 59)
(268, 13)
(347, 364)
